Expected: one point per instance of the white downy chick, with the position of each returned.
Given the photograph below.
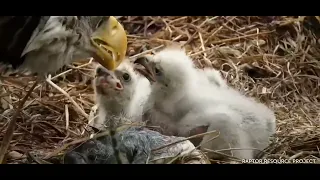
(183, 105)
(213, 76)
(120, 93)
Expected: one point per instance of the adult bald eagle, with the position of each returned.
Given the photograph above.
(43, 44)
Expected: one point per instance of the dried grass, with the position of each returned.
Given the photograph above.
(273, 58)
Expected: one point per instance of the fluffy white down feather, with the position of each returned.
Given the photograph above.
(129, 102)
(180, 102)
(213, 76)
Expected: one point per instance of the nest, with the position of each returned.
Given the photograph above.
(272, 58)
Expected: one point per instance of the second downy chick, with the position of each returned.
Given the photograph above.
(183, 104)
(213, 76)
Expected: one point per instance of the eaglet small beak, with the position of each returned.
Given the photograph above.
(147, 70)
(110, 41)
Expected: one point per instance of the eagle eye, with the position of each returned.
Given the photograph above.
(126, 77)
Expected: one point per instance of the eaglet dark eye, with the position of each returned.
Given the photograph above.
(126, 77)
(156, 71)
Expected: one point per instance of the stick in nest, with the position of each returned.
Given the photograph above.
(191, 137)
(68, 96)
(12, 124)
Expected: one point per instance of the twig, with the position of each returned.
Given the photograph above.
(5, 124)
(84, 114)
(206, 60)
(296, 155)
(69, 70)
(200, 52)
(37, 160)
(204, 143)
(67, 116)
(240, 37)
(174, 158)
(216, 31)
(179, 141)
(52, 126)
(194, 34)
(145, 52)
(222, 154)
(241, 149)
(150, 50)
(12, 124)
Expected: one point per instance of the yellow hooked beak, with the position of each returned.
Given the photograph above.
(110, 41)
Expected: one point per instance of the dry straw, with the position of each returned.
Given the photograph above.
(272, 58)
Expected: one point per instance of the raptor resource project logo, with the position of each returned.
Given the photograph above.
(279, 161)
